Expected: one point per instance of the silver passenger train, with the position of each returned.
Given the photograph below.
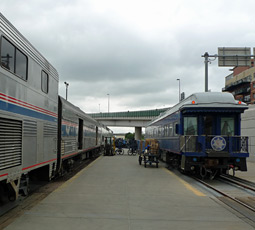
(41, 134)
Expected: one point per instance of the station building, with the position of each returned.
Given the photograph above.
(241, 83)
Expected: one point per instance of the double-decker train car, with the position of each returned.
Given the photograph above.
(28, 109)
(41, 134)
(202, 134)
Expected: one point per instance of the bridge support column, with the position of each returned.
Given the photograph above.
(138, 133)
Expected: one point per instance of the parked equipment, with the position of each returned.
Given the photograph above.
(150, 155)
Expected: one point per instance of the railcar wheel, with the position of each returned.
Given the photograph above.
(203, 172)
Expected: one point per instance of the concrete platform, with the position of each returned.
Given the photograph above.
(250, 174)
(117, 193)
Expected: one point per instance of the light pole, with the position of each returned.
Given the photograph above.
(99, 108)
(67, 84)
(179, 88)
(108, 102)
(206, 56)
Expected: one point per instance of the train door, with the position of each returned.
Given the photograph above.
(80, 134)
(209, 125)
(209, 128)
(97, 136)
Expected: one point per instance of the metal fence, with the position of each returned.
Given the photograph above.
(229, 144)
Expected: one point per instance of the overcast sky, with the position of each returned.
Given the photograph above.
(133, 50)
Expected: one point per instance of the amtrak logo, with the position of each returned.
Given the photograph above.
(218, 143)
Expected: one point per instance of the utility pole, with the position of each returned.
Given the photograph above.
(206, 56)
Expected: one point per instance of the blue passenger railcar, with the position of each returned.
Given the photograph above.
(202, 134)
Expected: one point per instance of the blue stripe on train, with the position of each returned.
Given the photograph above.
(26, 112)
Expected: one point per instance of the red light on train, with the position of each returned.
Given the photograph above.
(193, 102)
(239, 102)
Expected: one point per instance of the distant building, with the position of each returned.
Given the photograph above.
(241, 83)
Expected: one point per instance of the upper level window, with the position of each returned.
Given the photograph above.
(45, 82)
(13, 59)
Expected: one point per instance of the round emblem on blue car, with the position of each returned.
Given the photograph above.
(218, 143)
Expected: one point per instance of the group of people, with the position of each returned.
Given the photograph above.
(131, 144)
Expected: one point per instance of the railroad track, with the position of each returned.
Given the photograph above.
(238, 179)
(237, 193)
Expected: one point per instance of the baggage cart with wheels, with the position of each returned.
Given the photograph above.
(150, 154)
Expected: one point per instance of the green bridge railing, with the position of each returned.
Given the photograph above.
(143, 113)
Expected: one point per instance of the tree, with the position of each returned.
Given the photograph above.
(129, 136)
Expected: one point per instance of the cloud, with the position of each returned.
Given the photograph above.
(133, 50)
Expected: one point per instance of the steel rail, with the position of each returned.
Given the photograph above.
(237, 183)
(224, 194)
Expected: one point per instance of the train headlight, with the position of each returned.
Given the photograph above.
(238, 160)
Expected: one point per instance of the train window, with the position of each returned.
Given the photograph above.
(13, 59)
(45, 82)
(190, 125)
(21, 65)
(170, 130)
(166, 130)
(154, 132)
(175, 124)
(228, 126)
(162, 131)
(7, 55)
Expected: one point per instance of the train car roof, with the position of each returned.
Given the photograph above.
(206, 100)
(82, 114)
(78, 111)
(23, 44)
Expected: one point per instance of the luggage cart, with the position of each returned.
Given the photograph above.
(150, 154)
(150, 158)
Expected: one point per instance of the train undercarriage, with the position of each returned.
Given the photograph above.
(206, 167)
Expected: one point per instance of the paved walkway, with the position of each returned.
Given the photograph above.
(250, 174)
(116, 193)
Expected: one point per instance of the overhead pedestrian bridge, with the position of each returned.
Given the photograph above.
(137, 119)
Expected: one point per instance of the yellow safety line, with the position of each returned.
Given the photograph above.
(188, 186)
(78, 174)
